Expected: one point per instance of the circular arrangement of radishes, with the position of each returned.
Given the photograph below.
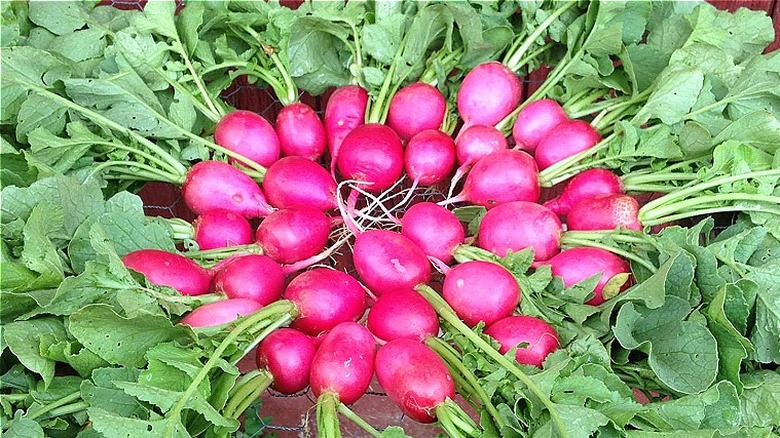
(366, 194)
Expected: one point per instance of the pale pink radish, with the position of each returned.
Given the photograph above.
(170, 269)
(220, 312)
(252, 276)
(345, 110)
(287, 354)
(293, 234)
(212, 185)
(564, 140)
(372, 154)
(515, 226)
(488, 93)
(300, 131)
(403, 314)
(535, 121)
(429, 157)
(416, 108)
(386, 260)
(436, 230)
(221, 228)
(574, 265)
(248, 134)
(604, 212)
(296, 182)
(481, 291)
(534, 338)
(477, 142)
(586, 184)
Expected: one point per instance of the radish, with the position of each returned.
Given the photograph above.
(436, 230)
(477, 142)
(296, 181)
(372, 154)
(488, 93)
(251, 276)
(535, 121)
(248, 134)
(587, 184)
(564, 140)
(402, 314)
(345, 110)
(574, 265)
(386, 260)
(415, 108)
(429, 157)
(514, 226)
(500, 177)
(605, 212)
(220, 312)
(293, 234)
(324, 298)
(481, 291)
(300, 131)
(534, 338)
(170, 269)
(221, 228)
(343, 365)
(287, 354)
(212, 185)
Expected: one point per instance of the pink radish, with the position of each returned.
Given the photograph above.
(574, 265)
(170, 269)
(587, 184)
(212, 185)
(534, 338)
(477, 142)
(293, 234)
(220, 312)
(436, 230)
(372, 153)
(386, 260)
(429, 157)
(324, 298)
(415, 378)
(221, 228)
(535, 121)
(402, 314)
(604, 212)
(415, 108)
(301, 132)
(488, 93)
(344, 363)
(296, 182)
(345, 110)
(287, 354)
(564, 140)
(500, 177)
(249, 134)
(481, 291)
(251, 276)
(518, 225)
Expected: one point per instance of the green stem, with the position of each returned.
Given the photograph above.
(570, 241)
(68, 399)
(327, 417)
(355, 418)
(639, 179)
(216, 113)
(564, 166)
(181, 229)
(218, 254)
(68, 409)
(446, 312)
(446, 423)
(523, 62)
(709, 211)
(247, 390)
(138, 171)
(584, 99)
(513, 61)
(625, 236)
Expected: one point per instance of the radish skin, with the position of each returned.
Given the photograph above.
(488, 93)
(220, 229)
(293, 234)
(574, 265)
(252, 276)
(429, 157)
(170, 269)
(212, 185)
(564, 140)
(386, 260)
(535, 121)
(220, 312)
(585, 185)
(299, 182)
(477, 142)
(480, 291)
(436, 230)
(248, 134)
(402, 314)
(604, 212)
(372, 154)
(416, 108)
(300, 131)
(515, 226)
(345, 110)
(287, 354)
(501, 177)
(535, 339)
(344, 363)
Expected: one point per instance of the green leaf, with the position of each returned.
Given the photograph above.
(40, 254)
(115, 426)
(102, 392)
(37, 112)
(317, 55)
(23, 427)
(760, 401)
(733, 347)
(673, 97)
(381, 39)
(23, 339)
(80, 45)
(60, 17)
(760, 129)
(766, 333)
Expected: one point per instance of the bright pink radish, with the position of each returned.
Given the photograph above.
(436, 230)
(251, 276)
(344, 363)
(535, 121)
(576, 264)
(372, 153)
(488, 93)
(415, 108)
(415, 378)
(477, 142)
(220, 312)
(249, 134)
(325, 297)
(212, 185)
(301, 132)
(604, 212)
(502, 176)
(293, 234)
(534, 338)
(481, 291)
(170, 269)
(515, 226)
(287, 354)
(386, 260)
(402, 314)
(296, 181)
(221, 228)
(587, 184)
(429, 157)
(345, 110)
(564, 140)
